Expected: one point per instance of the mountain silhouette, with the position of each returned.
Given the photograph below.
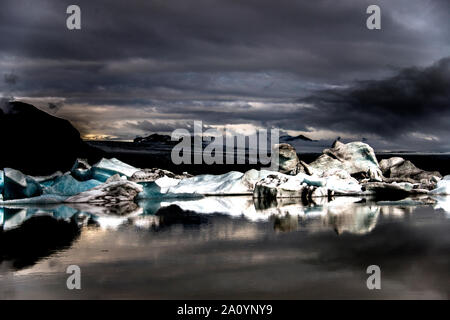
(36, 142)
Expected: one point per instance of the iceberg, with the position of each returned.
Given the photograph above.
(102, 170)
(344, 169)
(392, 190)
(68, 186)
(285, 158)
(357, 158)
(284, 186)
(47, 180)
(340, 182)
(397, 169)
(150, 175)
(108, 193)
(225, 184)
(18, 186)
(248, 183)
(442, 187)
(231, 183)
(106, 168)
(81, 170)
(159, 188)
(2, 184)
(335, 181)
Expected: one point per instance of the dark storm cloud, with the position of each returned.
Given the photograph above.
(10, 79)
(414, 100)
(220, 61)
(312, 38)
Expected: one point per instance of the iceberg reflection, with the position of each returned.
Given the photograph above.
(30, 233)
(25, 240)
(343, 214)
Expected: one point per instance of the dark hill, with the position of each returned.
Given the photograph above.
(288, 138)
(154, 138)
(36, 142)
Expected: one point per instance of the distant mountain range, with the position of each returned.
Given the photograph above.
(301, 142)
(288, 138)
(154, 138)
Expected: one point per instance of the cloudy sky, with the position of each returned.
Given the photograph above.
(309, 67)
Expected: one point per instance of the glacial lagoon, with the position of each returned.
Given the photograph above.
(230, 247)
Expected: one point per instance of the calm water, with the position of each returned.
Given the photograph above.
(227, 247)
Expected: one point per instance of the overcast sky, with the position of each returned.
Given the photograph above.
(310, 67)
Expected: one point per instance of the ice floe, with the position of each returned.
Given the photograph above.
(342, 170)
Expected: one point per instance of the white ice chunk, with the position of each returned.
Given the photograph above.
(343, 186)
(165, 183)
(116, 166)
(207, 184)
(442, 187)
(16, 176)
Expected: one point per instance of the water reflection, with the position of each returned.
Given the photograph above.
(222, 247)
(35, 238)
(31, 233)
